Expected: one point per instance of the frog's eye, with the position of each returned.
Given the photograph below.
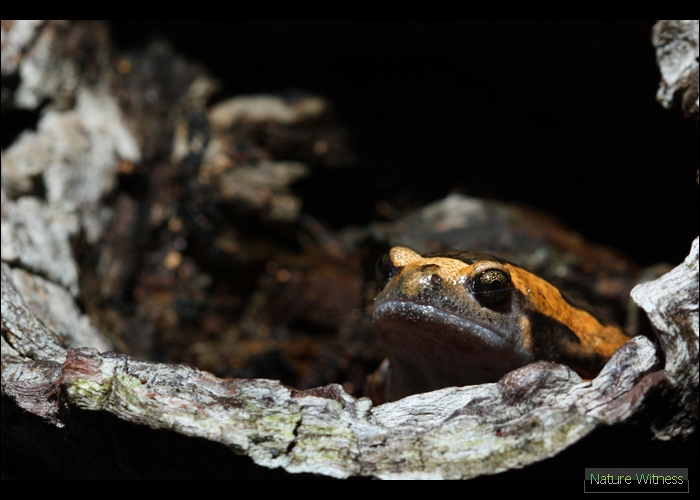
(491, 288)
(384, 271)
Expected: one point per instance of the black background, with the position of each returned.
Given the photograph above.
(557, 115)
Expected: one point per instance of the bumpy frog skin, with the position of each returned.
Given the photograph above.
(463, 318)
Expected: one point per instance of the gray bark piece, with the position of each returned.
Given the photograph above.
(75, 151)
(23, 334)
(671, 302)
(265, 186)
(677, 44)
(16, 36)
(451, 433)
(56, 309)
(37, 237)
(262, 108)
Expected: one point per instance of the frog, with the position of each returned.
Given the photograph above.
(459, 318)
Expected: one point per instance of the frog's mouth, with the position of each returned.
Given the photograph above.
(445, 348)
(433, 317)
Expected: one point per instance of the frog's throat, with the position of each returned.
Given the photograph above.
(433, 320)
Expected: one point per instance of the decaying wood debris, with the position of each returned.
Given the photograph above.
(71, 407)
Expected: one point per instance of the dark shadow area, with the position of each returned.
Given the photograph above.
(560, 116)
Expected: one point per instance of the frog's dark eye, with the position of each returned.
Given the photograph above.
(384, 271)
(491, 288)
